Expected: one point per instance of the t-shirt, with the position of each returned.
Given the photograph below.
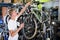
(12, 25)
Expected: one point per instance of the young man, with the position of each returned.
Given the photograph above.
(12, 24)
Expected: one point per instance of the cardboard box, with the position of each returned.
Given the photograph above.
(7, 1)
(17, 1)
(0, 1)
(27, 1)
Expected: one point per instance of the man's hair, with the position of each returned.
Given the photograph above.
(11, 10)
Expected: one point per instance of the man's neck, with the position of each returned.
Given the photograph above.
(13, 18)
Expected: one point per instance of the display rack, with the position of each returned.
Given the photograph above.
(6, 4)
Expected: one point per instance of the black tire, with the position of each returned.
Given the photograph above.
(27, 26)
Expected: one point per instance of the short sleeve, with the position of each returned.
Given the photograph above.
(16, 18)
(18, 24)
(10, 26)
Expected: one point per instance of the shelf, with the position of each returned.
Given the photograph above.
(6, 4)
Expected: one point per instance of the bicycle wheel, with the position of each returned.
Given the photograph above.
(30, 29)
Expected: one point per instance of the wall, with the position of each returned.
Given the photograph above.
(4, 11)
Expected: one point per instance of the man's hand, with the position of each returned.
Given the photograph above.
(29, 3)
(13, 33)
(21, 26)
(24, 8)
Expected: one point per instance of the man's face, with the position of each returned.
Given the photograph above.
(14, 13)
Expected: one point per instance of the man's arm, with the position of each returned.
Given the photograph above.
(13, 33)
(24, 8)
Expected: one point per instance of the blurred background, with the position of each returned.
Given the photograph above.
(41, 18)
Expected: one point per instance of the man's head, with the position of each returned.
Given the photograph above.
(12, 12)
